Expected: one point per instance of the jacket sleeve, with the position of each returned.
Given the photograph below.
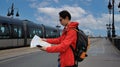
(54, 40)
(65, 44)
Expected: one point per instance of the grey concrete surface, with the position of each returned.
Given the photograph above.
(100, 54)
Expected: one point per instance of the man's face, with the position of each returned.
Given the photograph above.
(63, 21)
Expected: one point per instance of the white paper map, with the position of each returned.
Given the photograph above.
(37, 41)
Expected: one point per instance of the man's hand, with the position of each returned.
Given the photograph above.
(43, 48)
(43, 39)
(39, 46)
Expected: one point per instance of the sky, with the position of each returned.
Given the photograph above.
(92, 15)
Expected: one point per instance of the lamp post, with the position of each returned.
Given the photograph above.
(11, 11)
(111, 9)
(108, 30)
(58, 31)
(119, 6)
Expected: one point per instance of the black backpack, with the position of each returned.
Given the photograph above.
(81, 46)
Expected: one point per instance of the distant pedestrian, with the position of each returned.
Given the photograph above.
(62, 43)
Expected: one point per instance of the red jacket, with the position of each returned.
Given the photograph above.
(67, 38)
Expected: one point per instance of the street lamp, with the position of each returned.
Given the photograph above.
(58, 29)
(108, 30)
(11, 11)
(111, 9)
(119, 6)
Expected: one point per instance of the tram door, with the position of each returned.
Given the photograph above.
(25, 32)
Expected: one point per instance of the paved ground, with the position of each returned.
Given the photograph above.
(9, 53)
(101, 54)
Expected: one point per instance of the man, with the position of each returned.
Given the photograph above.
(68, 37)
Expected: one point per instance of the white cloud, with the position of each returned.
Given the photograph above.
(86, 2)
(43, 4)
(88, 32)
(78, 14)
(36, 4)
(48, 11)
(49, 16)
(33, 5)
(88, 21)
(117, 1)
(117, 17)
(56, 1)
(52, 13)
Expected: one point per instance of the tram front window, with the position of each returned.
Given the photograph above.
(4, 31)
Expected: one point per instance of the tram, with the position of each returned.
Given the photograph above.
(16, 32)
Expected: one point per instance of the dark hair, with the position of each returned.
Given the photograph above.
(65, 14)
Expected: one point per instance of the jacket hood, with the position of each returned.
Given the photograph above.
(73, 25)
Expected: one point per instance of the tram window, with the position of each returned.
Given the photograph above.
(35, 31)
(1, 27)
(48, 33)
(51, 32)
(15, 34)
(19, 32)
(40, 33)
(4, 31)
(31, 32)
